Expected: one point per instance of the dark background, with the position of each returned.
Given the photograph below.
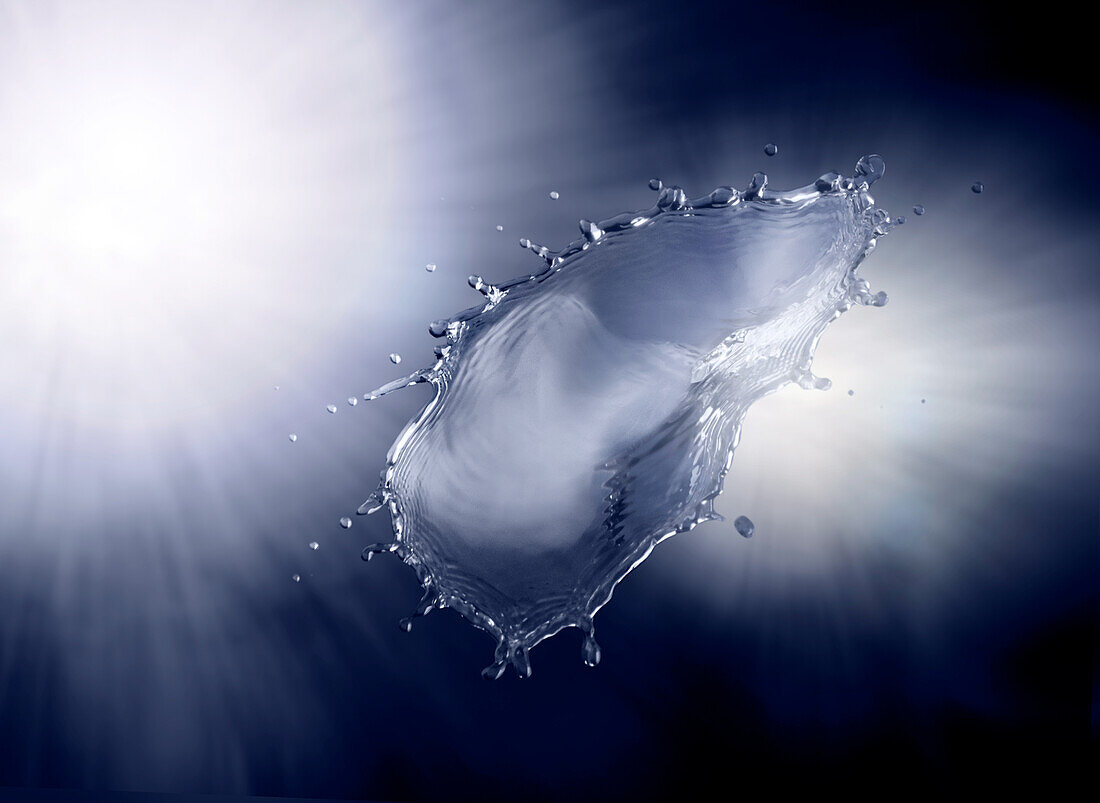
(918, 607)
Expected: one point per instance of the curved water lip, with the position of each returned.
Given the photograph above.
(589, 410)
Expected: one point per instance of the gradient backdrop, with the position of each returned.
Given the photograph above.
(202, 201)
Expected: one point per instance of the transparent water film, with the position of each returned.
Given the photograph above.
(589, 410)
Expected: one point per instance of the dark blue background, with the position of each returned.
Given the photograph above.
(198, 666)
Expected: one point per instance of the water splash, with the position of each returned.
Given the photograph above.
(586, 412)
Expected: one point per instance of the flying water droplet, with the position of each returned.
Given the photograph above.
(352, 401)
(297, 578)
(500, 228)
(918, 209)
(430, 267)
(395, 358)
(331, 408)
(276, 387)
(293, 438)
(851, 392)
(656, 185)
(345, 522)
(771, 149)
(589, 409)
(871, 168)
(744, 526)
(977, 187)
(554, 195)
(313, 545)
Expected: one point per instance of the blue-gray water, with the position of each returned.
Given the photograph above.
(589, 410)
(200, 204)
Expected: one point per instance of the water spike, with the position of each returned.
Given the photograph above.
(870, 169)
(590, 230)
(757, 184)
(590, 651)
(377, 549)
(671, 198)
(521, 662)
(372, 504)
(495, 670)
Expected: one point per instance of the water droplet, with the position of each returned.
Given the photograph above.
(352, 401)
(313, 545)
(656, 185)
(900, 220)
(922, 401)
(851, 393)
(331, 408)
(870, 168)
(918, 209)
(771, 149)
(977, 187)
(276, 387)
(297, 578)
(292, 437)
(395, 358)
(345, 522)
(590, 651)
(500, 228)
(744, 526)
(430, 267)
(554, 195)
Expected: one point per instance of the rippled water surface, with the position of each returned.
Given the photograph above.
(590, 410)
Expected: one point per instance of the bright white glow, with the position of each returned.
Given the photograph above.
(161, 179)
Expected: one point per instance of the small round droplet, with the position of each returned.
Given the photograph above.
(430, 267)
(977, 187)
(744, 526)
(293, 438)
(345, 522)
(297, 578)
(395, 358)
(922, 401)
(771, 149)
(554, 195)
(900, 220)
(276, 387)
(656, 185)
(918, 209)
(851, 393)
(331, 408)
(313, 545)
(352, 401)
(500, 228)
